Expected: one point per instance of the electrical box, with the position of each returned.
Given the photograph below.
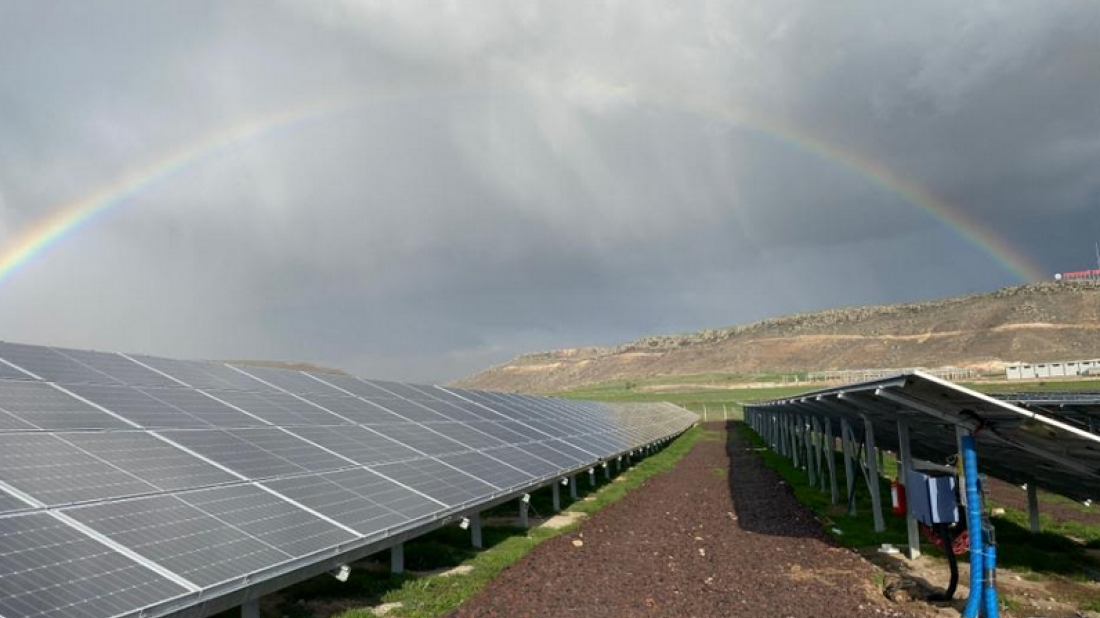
(932, 498)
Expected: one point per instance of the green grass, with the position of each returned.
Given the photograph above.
(430, 596)
(1046, 386)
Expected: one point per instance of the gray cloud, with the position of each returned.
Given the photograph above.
(526, 175)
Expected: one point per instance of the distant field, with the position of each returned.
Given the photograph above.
(732, 391)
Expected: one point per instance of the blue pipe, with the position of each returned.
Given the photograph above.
(974, 525)
(989, 593)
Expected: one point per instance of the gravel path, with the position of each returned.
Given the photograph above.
(718, 536)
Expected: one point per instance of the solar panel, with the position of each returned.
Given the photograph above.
(485, 468)
(554, 456)
(356, 443)
(409, 410)
(204, 407)
(292, 448)
(431, 392)
(137, 407)
(256, 453)
(356, 410)
(593, 445)
(355, 386)
(549, 429)
(55, 472)
(234, 378)
(524, 460)
(419, 438)
(118, 367)
(290, 381)
(1016, 445)
(215, 480)
(279, 408)
(401, 499)
(45, 407)
(467, 435)
(479, 410)
(191, 373)
(50, 365)
(451, 412)
(7, 372)
(530, 433)
(50, 570)
(181, 538)
(497, 406)
(358, 512)
(151, 460)
(9, 504)
(11, 423)
(398, 389)
(576, 453)
(269, 518)
(501, 432)
(438, 481)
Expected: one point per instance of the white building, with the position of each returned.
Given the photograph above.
(1069, 369)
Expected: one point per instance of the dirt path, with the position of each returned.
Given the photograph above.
(718, 536)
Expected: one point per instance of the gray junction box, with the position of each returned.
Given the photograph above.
(932, 499)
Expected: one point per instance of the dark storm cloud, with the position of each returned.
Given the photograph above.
(522, 175)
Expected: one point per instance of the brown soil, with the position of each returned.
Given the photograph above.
(693, 542)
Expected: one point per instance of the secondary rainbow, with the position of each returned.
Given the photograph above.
(66, 220)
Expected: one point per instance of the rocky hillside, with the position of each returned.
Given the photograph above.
(1035, 322)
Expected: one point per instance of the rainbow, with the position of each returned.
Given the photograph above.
(971, 230)
(40, 237)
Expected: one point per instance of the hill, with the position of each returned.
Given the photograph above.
(1034, 322)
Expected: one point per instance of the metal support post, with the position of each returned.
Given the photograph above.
(555, 491)
(607, 470)
(847, 443)
(808, 444)
(819, 450)
(873, 475)
(830, 461)
(397, 559)
(475, 530)
(250, 609)
(960, 433)
(591, 477)
(788, 439)
(904, 466)
(573, 487)
(1033, 506)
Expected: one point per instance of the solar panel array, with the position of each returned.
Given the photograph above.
(141, 485)
(1016, 444)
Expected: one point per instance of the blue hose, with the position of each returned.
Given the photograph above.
(989, 593)
(974, 524)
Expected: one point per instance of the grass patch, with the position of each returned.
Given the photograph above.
(427, 597)
(715, 390)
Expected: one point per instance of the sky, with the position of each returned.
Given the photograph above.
(415, 190)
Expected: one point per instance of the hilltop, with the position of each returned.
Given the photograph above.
(1034, 322)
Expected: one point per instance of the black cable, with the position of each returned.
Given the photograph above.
(952, 562)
